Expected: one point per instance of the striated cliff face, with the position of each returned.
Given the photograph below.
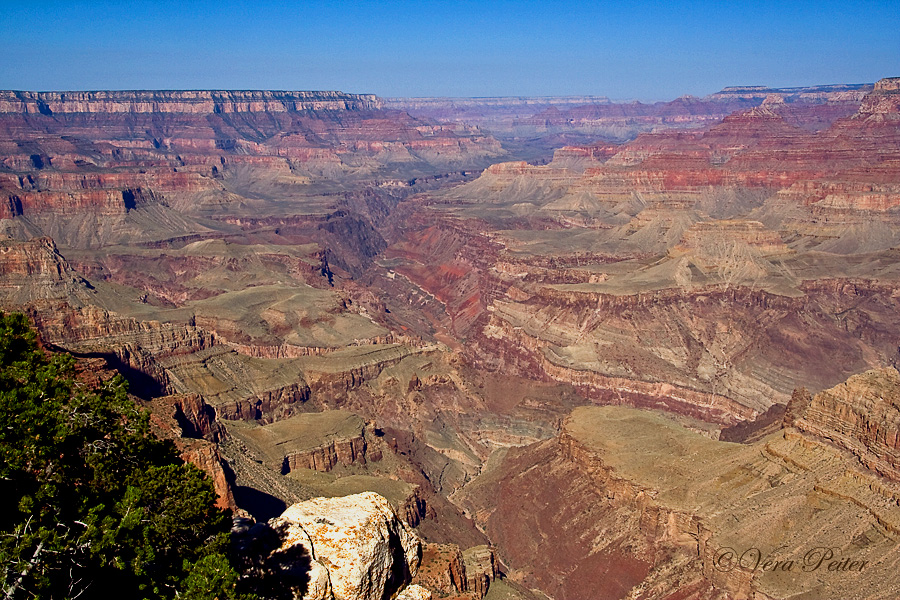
(35, 270)
(861, 415)
(267, 405)
(206, 127)
(336, 376)
(884, 101)
(614, 347)
(315, 441)
(137, 346)
(707, 236)
(453, 573)
(203, 102)
(481, 569)
(442, 569)
(325, 458)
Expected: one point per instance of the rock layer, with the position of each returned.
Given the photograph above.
(861, 415)
(204, 102)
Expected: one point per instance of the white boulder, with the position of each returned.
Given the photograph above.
(414, 592)
(367, 552)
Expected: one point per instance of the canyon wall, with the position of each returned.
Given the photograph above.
(203, 102)
(861, 415)
(635, 506)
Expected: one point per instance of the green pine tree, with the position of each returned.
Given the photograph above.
(92, 505)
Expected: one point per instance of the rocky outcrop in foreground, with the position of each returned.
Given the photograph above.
(358, 548)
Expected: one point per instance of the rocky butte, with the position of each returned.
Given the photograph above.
(505, 348)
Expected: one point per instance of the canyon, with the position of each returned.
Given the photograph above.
(576, 347)
(645, 508)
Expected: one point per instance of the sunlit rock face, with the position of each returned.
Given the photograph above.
(861, 415)
(366, 550)
(415, 592)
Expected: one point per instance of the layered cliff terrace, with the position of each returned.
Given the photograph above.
(187, 101)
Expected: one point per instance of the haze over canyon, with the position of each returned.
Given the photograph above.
(540, 347)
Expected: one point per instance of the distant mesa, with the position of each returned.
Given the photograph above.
(705, 236)
(192, 101)
(501, 101)
(888, 84)
(762, 91)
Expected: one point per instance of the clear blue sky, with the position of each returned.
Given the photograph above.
(646, 50)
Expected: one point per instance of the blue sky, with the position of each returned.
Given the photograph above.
(644, 50)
